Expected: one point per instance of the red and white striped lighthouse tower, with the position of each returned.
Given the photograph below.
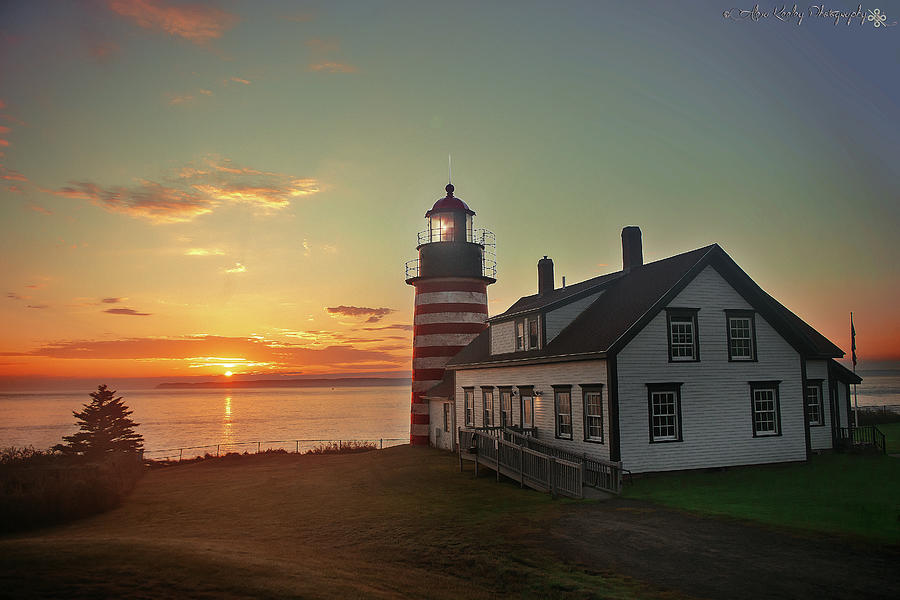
(455, 265)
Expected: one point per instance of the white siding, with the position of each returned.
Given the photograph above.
(843, 395)
(543, 377)
(716, 415)
(440, 438)
(820, 435)
(503, 337)
(557, 320)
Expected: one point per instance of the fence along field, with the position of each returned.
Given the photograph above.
(258, 446)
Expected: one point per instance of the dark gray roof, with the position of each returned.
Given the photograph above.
(631, 299)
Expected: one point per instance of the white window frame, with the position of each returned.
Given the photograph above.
(679, 317)
(761, 394)
(741, 321)
(563, 419)
(664, 407)
(593, 421)
(523, 333)
(506, 417)
(469, 407)
(487, 406)
(817, 387)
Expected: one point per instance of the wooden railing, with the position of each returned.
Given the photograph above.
(598, 473)
(864, 435)
(529, 467)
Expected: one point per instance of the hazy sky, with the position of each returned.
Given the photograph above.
(190, 188)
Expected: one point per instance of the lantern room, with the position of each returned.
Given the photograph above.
(449, 220)
(450, 246)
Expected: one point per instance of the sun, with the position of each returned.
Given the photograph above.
(228, 373)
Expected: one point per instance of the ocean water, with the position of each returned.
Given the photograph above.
(234, 419)
(237, 419)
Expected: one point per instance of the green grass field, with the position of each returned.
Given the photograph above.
(402, 522)
(891, 433)
(833, 493)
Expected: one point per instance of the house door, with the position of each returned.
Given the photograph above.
(526, 408)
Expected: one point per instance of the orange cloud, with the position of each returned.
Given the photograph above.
(332, 67)
(11, 175)
(126, 311)
(194, 22)
(191, 352)
(238, 80)
(374, 314)
(197, 191)
(150, 201)
(176, 100)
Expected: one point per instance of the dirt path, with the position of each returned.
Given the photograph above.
(719, 558)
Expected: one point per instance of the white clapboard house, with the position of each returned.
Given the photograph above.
(682, 363)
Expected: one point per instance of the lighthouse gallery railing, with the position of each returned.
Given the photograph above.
(484, 237)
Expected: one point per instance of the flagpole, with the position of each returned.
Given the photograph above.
(853, 361)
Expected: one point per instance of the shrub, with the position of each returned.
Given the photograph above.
(351, 447)
(40, 488)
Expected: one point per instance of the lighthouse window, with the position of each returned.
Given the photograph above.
(470, 408)
(441, 226)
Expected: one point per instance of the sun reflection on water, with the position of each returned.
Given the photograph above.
(227, 425)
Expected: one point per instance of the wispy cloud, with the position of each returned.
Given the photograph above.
(10, 175)
(332, 67)
(238, 80)
(237, 268)
(399, 326)
(197, 190)
(374, 314)
(208, 350)
(126, 311)
(149, 200)
(324, 59)
(203, 252)
(194, 22)
(14, 296)
(175, 100)
(111, 300)
(38, 306)
(36, 207)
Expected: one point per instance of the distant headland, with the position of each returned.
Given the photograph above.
(264, 383)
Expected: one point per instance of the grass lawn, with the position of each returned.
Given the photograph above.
(834, 493)
(891, 433)
(401, 522)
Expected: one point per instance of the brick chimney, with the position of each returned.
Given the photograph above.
(545, 275)
(632, 253)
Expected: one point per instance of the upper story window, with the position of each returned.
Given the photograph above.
(528, 333)
(469, 406)
(741, 326)
(563, 404)
(766, 409)
(684, 343)
(664, 404)
(814, 411)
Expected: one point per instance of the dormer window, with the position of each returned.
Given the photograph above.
(528, 333)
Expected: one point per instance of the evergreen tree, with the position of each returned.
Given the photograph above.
(105, 427)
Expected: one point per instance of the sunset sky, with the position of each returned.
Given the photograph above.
(194, 188)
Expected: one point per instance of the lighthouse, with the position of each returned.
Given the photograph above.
(456, 264)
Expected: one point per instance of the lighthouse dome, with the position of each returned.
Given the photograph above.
(449, 203)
